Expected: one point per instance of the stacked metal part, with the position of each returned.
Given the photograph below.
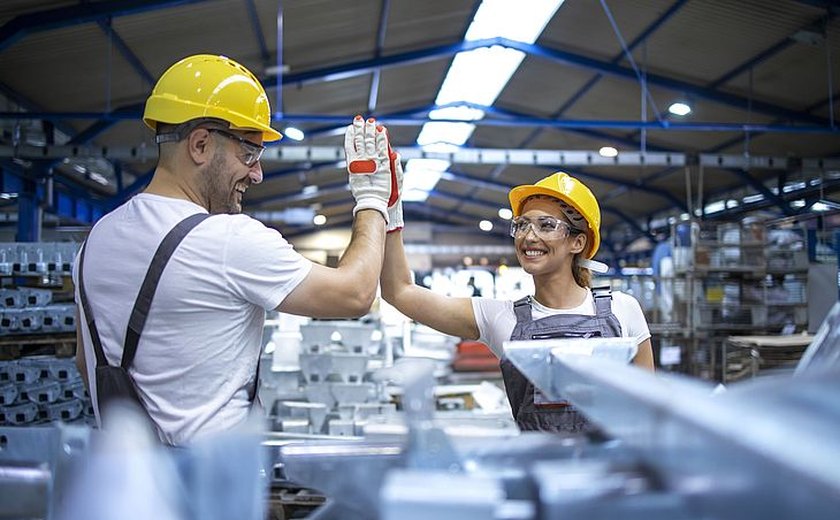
(42, 389)
(37, 258)
(332, 392)
(28, 310)
(764, 449)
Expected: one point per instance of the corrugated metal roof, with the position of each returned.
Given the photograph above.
(578, 66)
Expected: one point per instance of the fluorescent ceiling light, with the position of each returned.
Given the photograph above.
(522, 21)
(749, 199)
(608, 151)
(819, 206)
(294, 134)
(714, 207)
(485, 225)
(679, 109)
(505, 213)
(445, 133)
(478, 76)
(461, 113)
(421, 176)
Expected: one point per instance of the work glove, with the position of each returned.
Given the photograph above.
(369, 165)
(395, 212)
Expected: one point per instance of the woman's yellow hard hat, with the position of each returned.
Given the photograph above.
(564, 187)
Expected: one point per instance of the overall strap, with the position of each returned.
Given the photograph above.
(101, 360)
(603, 298)
(147, 291)
(522, 309)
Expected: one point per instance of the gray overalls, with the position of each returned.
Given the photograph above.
(530, 408)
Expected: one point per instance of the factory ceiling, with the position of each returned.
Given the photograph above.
(762, 80)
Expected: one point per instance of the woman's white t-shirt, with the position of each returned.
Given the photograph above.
(496, 319)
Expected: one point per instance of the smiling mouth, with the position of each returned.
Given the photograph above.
(533, 253)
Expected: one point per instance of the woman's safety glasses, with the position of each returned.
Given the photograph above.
(251, 151)
(545, 227)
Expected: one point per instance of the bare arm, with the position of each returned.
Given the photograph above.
(644, 357)
(80, 352)
(453, 316)
(346, 291)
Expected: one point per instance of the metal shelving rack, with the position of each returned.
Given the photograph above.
(39, 382)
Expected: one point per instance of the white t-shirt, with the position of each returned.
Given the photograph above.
(496, 319)
(197, 356)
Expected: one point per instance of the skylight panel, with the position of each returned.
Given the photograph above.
(421, 177)
(478, 77)
(522, 21)
(445, 133)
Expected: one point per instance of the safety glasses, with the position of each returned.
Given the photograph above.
(545, 227)
(251, 151)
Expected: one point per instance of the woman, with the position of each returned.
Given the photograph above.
(556, 233)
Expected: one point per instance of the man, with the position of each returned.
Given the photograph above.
(196, 358)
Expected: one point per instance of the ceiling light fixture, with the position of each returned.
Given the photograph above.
(679, 108)
(607, 151)
(319, 220)
(485, 225)
(295, 134)
(505, 213)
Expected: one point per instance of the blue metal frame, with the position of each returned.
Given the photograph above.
(126, 51)
(102, 11)
(17, 28)
(251, 8)
(380, 43)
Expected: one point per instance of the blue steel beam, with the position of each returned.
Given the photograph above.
(827, 187)
(585, 62)
(20, 26)
(644, 35)
(121, 196)
(520, 122)
(28, 104)
(380, 43)
(555, 55)
(256, 27)
(831, 6)
(126, 51)
(629, 221)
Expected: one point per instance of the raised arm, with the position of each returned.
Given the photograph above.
(453, 316)
(347, 291)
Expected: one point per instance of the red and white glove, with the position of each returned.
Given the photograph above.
(395, 212)
(369, 165)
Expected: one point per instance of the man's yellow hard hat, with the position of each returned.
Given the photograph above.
(210, 86)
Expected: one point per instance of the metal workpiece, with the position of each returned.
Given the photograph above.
(723, 454)
(418, 495)
(329, 379)
(348, 336)
(36, 467)
(350, 474)
(824, 351)
(536, 359)
(675, 449)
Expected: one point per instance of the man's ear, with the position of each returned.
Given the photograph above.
(199, 147)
